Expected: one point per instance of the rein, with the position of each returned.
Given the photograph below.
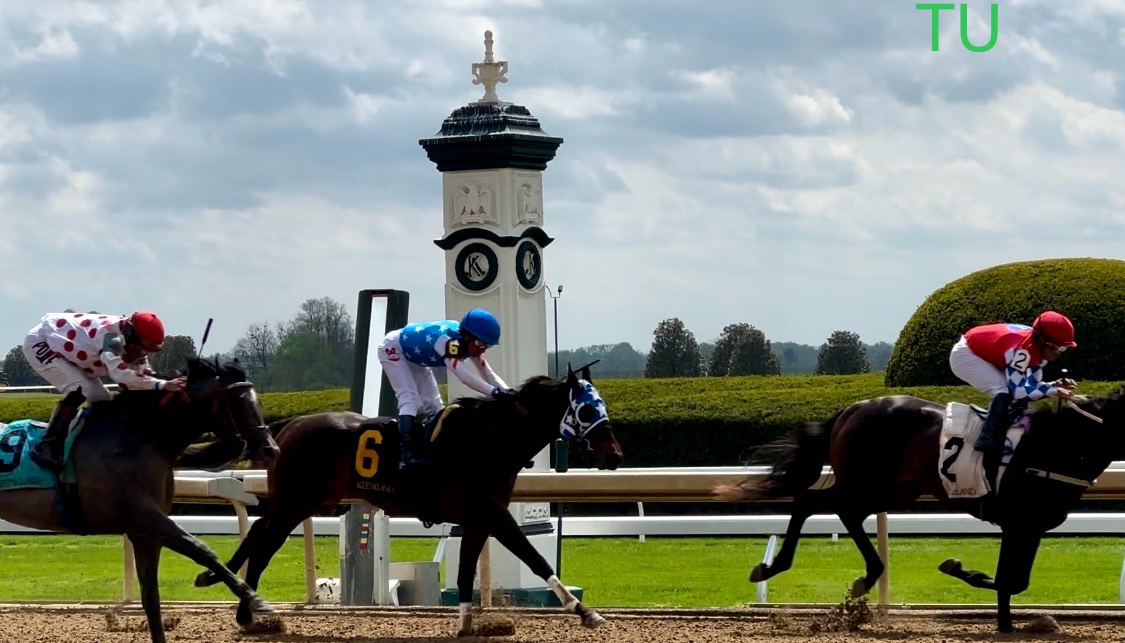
(1082, 411)
(1058, 477)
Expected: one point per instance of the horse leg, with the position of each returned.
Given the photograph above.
(804, 505)
(509, 534)
(172, 536)
(853, 522)
(272, 537)
(973, 577)
(472, 544)
(146, 553)
(1013, 572)
(208, 578)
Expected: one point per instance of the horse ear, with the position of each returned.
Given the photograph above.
(569, 373)
(585, 371)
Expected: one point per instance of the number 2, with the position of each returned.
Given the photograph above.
(367, 458)
(955, 445)
(12, 445)
(1020, 360)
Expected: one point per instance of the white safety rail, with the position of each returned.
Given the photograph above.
(676, 484)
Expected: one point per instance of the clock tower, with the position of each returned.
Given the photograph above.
(491, 155)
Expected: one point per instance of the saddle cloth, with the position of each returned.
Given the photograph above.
(960, 466)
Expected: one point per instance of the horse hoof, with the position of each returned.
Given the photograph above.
(592, 619)
(951, 567)
(758, 574)
(243, 616)
(463, 632)
(206, 579)
(259, 606)
(859, 588)
(1005, 628)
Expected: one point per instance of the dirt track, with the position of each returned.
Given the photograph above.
(28, 624)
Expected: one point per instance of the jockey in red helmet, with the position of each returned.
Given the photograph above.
(1006, 361)
(73, 351)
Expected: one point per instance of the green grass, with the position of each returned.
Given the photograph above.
(618, 572)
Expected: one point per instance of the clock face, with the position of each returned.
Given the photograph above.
(529, 264)
(476, 267)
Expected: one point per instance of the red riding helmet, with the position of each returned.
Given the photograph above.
(1055, 328)
(148, 329)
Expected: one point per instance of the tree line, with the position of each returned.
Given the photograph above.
(315, 349)
(742, 349)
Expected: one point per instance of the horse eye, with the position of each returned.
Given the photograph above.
(586, 414)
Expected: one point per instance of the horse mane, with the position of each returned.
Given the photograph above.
(535, 382)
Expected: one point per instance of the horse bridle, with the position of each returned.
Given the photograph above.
(233, 386)
(1058, 477)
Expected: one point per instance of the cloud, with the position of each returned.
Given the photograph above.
(804, 168)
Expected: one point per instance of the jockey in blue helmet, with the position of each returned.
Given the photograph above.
(409, 353)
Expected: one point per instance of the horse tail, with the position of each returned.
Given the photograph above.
(798, 460)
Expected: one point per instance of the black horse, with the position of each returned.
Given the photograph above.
(119, 476)
(478, 448)
(885, 455)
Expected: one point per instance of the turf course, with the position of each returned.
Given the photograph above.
(618, 572)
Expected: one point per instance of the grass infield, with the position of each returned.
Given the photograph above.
(614, 572)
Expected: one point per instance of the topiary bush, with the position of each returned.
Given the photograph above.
(1089, 291)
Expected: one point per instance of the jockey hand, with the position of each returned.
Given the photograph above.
(1067, 383)
(1064, 393)
(177, 384)
(498, 392)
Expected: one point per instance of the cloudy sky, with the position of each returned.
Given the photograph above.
(803, 166)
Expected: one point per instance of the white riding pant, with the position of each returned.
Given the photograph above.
(415, 385)
(59, 373)
(976, 371)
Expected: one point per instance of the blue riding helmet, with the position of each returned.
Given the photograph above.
(483, 325)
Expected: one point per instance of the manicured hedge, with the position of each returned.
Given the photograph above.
(1086, 290)
(706, 421)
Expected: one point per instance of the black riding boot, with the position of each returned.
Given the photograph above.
(48, 452)
(992, 433)
(405, 440)
(427, 433)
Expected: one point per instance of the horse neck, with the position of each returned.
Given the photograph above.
(541, 427)
(170, 427)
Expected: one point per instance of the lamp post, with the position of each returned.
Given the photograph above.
(561, 451)
(555, 301)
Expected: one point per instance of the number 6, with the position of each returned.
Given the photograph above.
(366, 458)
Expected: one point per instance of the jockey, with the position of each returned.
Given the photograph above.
(409, 353)
(1006, 361)
(73, 351)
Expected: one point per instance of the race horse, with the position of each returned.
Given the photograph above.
(118, 476)
(477, 448)
(887, 452)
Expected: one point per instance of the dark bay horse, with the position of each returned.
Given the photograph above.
(885, 455)
(478, 448)
(121, 461)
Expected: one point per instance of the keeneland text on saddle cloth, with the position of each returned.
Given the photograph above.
(409, 353)
(72, 351)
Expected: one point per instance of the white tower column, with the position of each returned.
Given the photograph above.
(491, 155)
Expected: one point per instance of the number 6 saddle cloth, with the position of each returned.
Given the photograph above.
(960, 466)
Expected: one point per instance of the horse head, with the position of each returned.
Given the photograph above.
(1083, 435)
(227, 402)
(572, 407)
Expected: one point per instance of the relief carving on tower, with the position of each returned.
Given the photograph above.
(529, 199)
(474, 201)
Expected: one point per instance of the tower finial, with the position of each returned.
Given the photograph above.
(489, 73)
